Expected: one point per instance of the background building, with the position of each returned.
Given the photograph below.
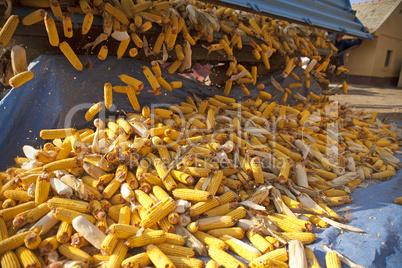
(378, 62)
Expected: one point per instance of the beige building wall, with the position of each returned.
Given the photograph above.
(360, 60)
(369, 58)
(393, 69)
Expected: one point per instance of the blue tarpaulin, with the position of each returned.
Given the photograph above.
(59, 96)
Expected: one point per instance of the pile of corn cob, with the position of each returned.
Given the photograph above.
(168, 185)
(182, 24)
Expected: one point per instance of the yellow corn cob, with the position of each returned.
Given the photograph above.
(17, 195)
(169, 183)
(216, 222)
(210, 240)
(216, 180)
(156, 68)
(257, 171)
(67, 26)
(85, 7)
(122, 48)
(311, 259)
(175, 250)
(176, 84)
(125, 215)
(137, 40)
(31, 215)
(108, 244)
(192, 195)
(146, 26)
(332, 260)
(68, 215)
(284, 172)
(9, 213)
(151, 237)
(42, 189)
(3, 230)
(259, 242)
(10, 260)
(238, 213)
(133, 52)
(103, 53)
(224, 258)
(180, 261)
(202, 207)
(78, 241)
(174, 239)
(122, 230)
(158, 212)
(12, 242)
(158, 43)
(8, 30)
(174, 66)
(50, 134)
(34, 17)
(189, 38)
(166, 226)
(289, 224)
(49, 244)
(137, 84)
(119, 15)
(98, 258)
(111, 188)
(235, 232)
(192, 227)
(141, 6)
(8, 203)
(265, 60)
(264, 95)
(55, 6)
(131, 93)
(228, 87)
(51, 30)
(240, 248)
(32, 240)
(272, 258)
(158, 258)
(398, 200)
(260, 86)
(172, 39)
(73, 253)
(20, 79)
(27, 258)
(151, 78)
(211, 264)
(140, 259)
(383, 174)
(145, 200)
(221, 210)
(108, 97)
(305, 238)
(87, 23)
(64, 232)
(68, 163)
(70, 55)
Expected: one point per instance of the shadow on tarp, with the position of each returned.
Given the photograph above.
(374, 211)
(58, 96)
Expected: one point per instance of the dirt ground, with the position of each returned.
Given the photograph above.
(386, 101)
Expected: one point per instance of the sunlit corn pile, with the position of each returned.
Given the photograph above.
(165, 186)
(179, 25)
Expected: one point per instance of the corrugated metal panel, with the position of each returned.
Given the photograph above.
(332, 15)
